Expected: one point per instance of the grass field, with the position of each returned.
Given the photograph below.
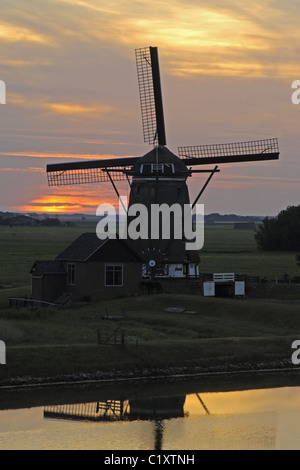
(229, 250)
(44, 342)
(21, 246)
(221, 331)
(225, 250)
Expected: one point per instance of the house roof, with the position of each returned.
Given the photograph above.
(82, 248)
(48, 267)
(88, 244)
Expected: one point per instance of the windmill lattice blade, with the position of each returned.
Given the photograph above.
(150, 95)
(90, 175)
(257, 150)
(95, 171)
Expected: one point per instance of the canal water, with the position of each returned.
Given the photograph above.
(224, 413)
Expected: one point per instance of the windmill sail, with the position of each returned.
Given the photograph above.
(257, 150)
(98, 171)
(91, 171)
(150, 95)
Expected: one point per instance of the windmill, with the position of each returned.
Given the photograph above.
(160, 176)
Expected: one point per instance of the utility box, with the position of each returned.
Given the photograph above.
(239, 288)
(208, 289)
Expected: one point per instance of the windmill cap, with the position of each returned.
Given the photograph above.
(160, 156)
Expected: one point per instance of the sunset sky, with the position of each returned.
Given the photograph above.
(227, 69)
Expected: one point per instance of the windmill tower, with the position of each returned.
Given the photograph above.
(160, 177)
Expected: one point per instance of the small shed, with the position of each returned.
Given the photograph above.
(48, 280)
(224, 285)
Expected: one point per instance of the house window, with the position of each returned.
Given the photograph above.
(113, 275)
(71, 274)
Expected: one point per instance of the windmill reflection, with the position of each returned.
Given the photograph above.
(157, 410)
(109, 410)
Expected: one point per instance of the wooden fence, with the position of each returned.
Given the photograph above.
(115, 337)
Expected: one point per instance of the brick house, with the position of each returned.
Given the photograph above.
(88, 269)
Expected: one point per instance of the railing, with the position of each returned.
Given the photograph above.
(109, 410)
(223, 277)
(23, 302)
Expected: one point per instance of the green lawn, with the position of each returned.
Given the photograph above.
(45, 342)
(229, 250)
(21, 246)
(225, 250)
(224, 238)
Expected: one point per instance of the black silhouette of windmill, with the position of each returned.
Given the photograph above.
(154, 409)
(160, 177)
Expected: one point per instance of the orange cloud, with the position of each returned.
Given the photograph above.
(76, 108)
(69, 200)
(57, 205)
(65, 156)
(13, 33)
(25, 170)
(231, 40)
(64, 108)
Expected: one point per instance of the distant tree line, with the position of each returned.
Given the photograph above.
(281, 233)
(244, 226)
(22, 220)
(50, 221)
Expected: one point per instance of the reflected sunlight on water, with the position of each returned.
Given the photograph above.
(254, 419)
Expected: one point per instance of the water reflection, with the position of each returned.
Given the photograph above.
(176, 416)
(153, 409)
(109, 410)
(239, 420)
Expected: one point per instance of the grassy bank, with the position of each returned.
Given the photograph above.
(220, 331)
